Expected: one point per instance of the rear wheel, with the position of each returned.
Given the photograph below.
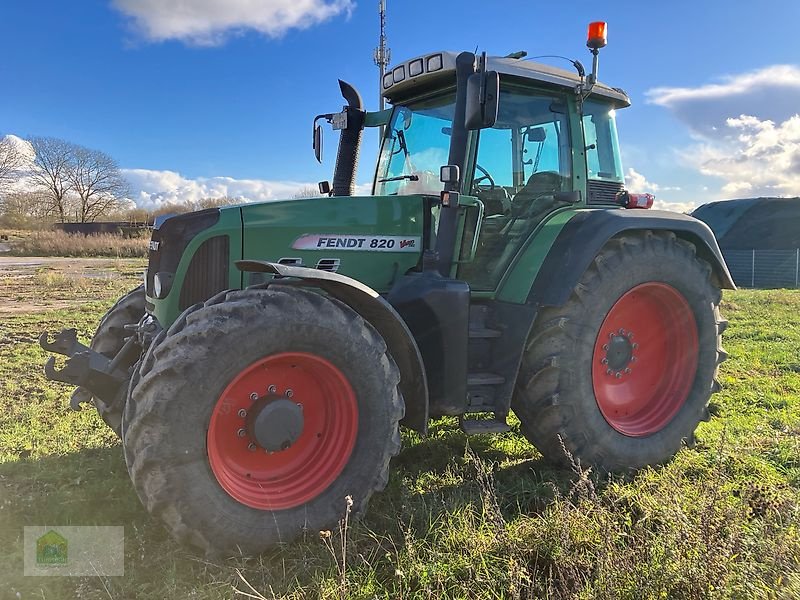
(622, 373)
(256, 415)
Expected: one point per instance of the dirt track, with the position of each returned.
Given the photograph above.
(35, 284)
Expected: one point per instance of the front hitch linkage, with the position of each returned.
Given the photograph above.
(85, 368)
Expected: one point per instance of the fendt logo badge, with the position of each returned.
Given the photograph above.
(364, 243)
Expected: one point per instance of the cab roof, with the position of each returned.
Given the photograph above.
(437, 69)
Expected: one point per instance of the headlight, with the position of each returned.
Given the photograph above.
(162, 282)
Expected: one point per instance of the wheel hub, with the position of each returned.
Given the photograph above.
(275, 423)
(619, 352)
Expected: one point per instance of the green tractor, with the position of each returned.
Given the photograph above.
(261, 373)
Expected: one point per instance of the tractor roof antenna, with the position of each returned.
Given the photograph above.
(382, 56)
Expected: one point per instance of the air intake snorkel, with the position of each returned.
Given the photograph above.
(351, 122)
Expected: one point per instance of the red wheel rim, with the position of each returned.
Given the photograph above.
(645, 359)
(298, 474)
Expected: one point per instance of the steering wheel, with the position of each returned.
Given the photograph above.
(484, 177)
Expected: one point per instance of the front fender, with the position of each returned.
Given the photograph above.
(588, 231)
(380, 314)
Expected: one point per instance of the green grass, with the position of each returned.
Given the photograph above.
(477, 518)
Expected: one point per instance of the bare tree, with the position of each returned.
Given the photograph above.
(25, 209)
(51, 172)
(307, 191)
(12, 162)
(215, 202)
(96, 180)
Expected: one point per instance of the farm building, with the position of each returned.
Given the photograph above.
(760, 238)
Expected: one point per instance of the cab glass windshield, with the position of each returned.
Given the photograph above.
(415, 145)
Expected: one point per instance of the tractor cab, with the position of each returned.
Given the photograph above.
(549, 148)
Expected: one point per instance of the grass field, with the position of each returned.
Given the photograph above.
(477, 518)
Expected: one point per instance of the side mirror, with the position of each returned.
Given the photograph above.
(483, 95)
(449, 174)
(318, 141)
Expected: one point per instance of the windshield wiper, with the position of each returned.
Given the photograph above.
(400, 178)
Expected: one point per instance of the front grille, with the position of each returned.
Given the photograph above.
(207, 273)
(603, 192)
(171, 238)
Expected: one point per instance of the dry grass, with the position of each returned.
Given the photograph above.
(59, 243)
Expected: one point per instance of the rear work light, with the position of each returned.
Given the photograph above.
(629, 200)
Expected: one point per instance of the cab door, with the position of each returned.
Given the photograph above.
(520, 167)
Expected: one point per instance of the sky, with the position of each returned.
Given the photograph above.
(198, 98)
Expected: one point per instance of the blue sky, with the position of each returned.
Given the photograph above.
(220, 95)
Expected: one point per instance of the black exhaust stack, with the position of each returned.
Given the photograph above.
(344, 174)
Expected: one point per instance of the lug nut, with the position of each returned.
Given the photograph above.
(605, 346)
(627, 369)
(253, 396)
(271, 389)
(608, 371)
(630, 335)
(604, 361)
(251, 447)
(242, 413)
(300, 406)
(289, 393)
(635, 346)
(241, 433)
(621, 331)
(633, 359)
(618, 375)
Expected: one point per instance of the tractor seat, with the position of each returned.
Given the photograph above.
(543, 183)
(495, 200)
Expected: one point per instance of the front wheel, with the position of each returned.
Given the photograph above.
(257, 414)
(620, 376)
(108, 340)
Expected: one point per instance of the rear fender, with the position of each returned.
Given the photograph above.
(380, 314)
(588, 231)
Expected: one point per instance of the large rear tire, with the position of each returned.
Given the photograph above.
(200, 442)
(108, 340)
(621, 375)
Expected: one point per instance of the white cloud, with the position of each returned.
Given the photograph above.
(756, 157)
(151, 188)
(786, 76)
(772, 93)
(746, 127)
(681, 207)
(639, 184)
(636, 182)
(211, 22)
(23, 147)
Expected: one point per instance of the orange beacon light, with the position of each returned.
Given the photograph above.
(598, 35)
